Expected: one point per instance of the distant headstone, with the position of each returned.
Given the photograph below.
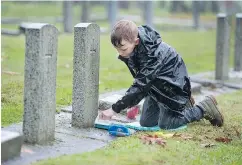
(11, 143)
(196, 14)
(67, 16)
(85, 74)
(85, 11)
(148, 13)
(40, 83)
(222, 48)
(238, 43)
(112, 12)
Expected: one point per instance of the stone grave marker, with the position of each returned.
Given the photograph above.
(222, 48)
(85, 74)
(238, 43)
(40, 83)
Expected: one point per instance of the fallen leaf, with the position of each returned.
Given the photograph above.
(169, 135)
(223, 139)
(161, 142)
(182, 136)
(152, 140)
(237, 132)
(10, 73)
(26, 150)
(149, 135)
(149, 140)
(208, 145)
(159, 133)
(160, 161)
(186, 137)
(176, 134)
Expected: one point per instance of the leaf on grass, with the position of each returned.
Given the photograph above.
(155, 136)
(26, 150)
(169, 135)
(149, 139)
(223, 139)
(161, 142)
(208, 145)
(237, 132)
(183, 136)
(160, 161)
(10, 73)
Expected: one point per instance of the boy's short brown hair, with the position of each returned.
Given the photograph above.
(123, 30)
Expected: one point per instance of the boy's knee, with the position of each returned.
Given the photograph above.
(146, 123)
(169, 124)
(143, 123)
(163, 125)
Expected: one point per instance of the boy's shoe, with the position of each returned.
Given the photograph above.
(211, 111)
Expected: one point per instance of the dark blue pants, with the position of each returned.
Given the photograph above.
(155, 113)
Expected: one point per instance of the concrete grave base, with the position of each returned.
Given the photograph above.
(208, 79)
(68, 140)
(106, 100)
(11, 144)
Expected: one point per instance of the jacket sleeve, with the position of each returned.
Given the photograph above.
(141, 85)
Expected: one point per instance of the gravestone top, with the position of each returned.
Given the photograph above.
(6, 135)
(84, 24)
(239, 15)
(11, 143)
(221, 15)
(34, 25)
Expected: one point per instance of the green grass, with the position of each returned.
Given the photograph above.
(131, 151)
(196, 48)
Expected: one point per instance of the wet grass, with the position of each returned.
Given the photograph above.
(130, 150)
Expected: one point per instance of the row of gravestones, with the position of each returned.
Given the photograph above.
(40, 79)
(40, 84)
(112, 9)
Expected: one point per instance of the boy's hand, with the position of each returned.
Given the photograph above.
(107, 114)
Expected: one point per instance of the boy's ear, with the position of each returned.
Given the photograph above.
(137, 41)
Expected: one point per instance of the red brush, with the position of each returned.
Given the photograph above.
(132, 112)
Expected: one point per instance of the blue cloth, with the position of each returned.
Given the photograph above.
(155, 128)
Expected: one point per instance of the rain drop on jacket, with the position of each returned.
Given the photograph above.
(158, 71)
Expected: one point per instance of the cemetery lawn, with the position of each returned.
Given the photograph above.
(18, 9)
(130, 150)
(196, 48)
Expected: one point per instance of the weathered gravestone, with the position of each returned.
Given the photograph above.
(40, 83)
(85, 74)
(238, 43)
(222, 48)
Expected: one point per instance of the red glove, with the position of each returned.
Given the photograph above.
(132, 112)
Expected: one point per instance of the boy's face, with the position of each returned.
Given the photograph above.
(127, 48)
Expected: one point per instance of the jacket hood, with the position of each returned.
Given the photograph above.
(149, 39)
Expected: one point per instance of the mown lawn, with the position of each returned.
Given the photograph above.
(54, 8)
(131, 151)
